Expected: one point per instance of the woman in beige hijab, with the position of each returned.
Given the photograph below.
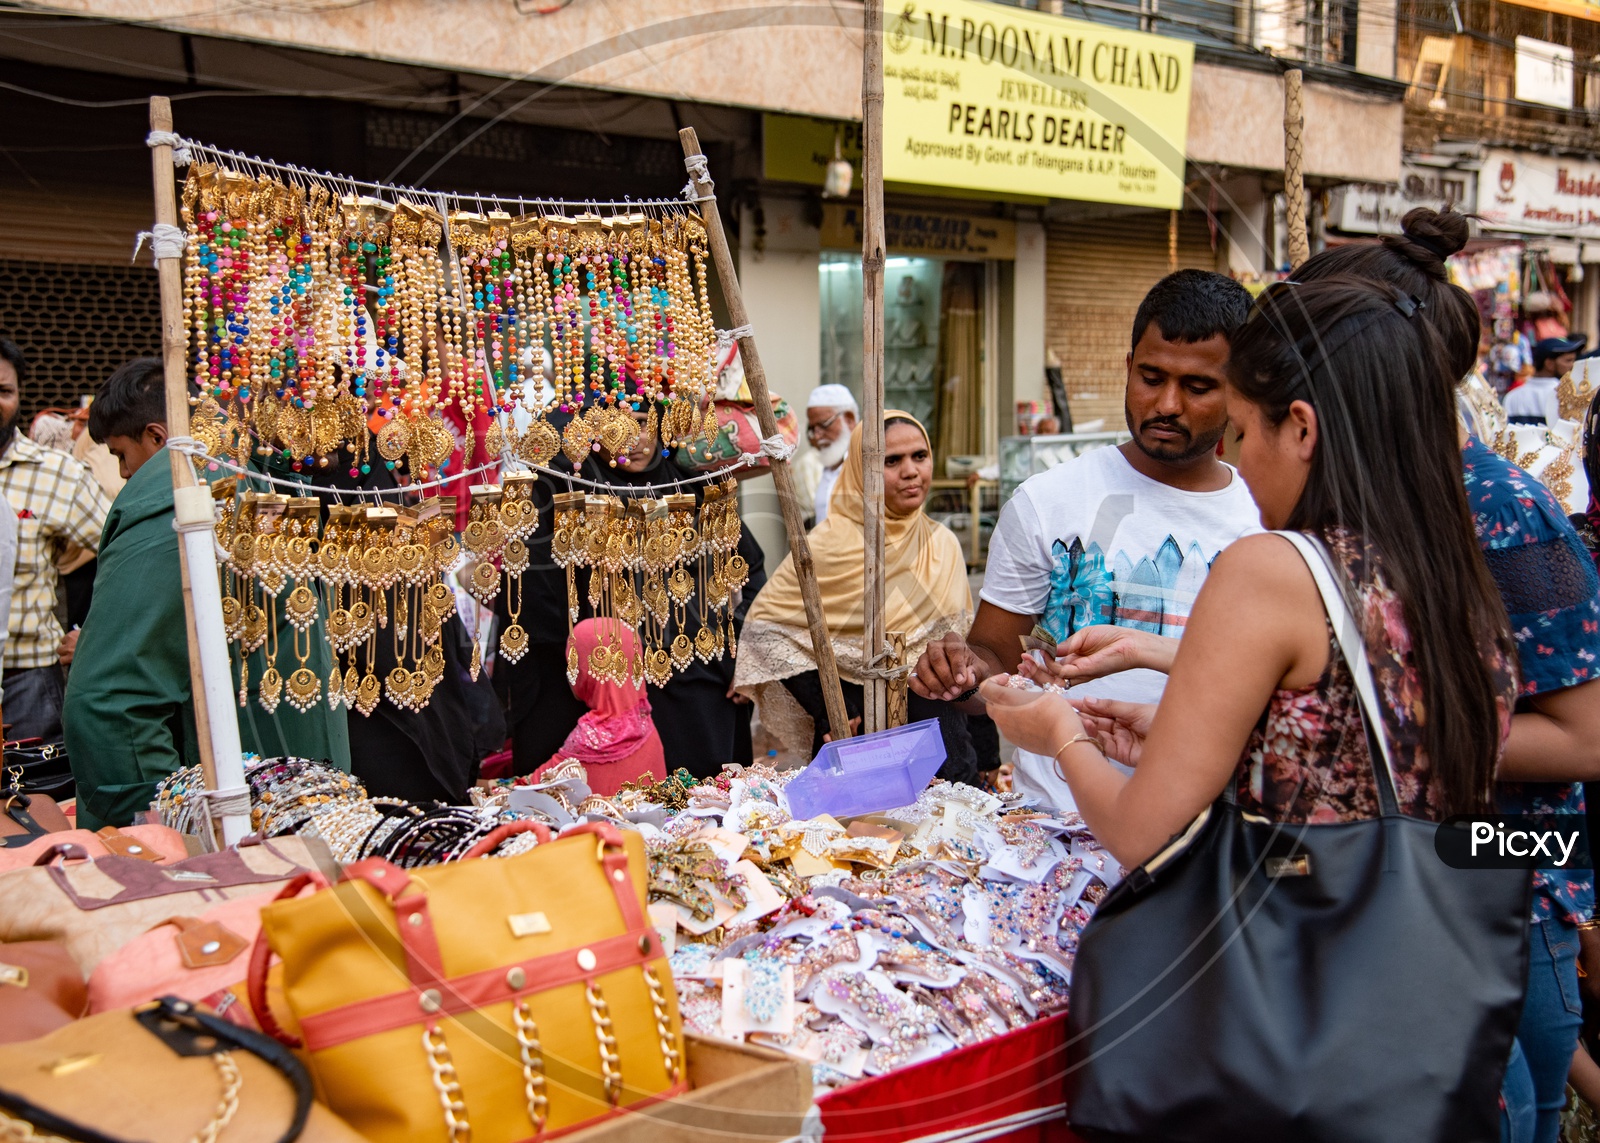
(927, 596)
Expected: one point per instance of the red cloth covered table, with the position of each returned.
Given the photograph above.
(1008, 1088)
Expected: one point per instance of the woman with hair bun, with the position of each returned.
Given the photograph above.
(1549, 586)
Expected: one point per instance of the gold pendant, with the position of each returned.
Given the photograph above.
(393, 439)
(335, 689)
(658, 667)
(680, 585)
(352, 684)
(232, 617)
(576, 440)
(600, 661)
(398, 687)
(539, 444)
(705, 644)
(572, 664)
(301, 609)
(682, 651)
(304, 688)
(485, 582)
(271, 689)
(368, 694)
(513, 644)
(341, 625)
(475, 667)
(255, 628)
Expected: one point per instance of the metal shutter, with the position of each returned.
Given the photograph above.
(1096, 274)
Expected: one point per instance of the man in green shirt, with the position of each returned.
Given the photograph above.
(129, 711)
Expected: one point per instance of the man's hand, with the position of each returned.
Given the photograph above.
(1121, 727)
(947, 668)
(65, 649)
(1102, 650)
(855, 728)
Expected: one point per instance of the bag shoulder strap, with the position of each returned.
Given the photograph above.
(1354, 648)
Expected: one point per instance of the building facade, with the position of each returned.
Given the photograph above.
(991, 275)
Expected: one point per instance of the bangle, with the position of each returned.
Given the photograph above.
(1073, 741)
(1589, 925)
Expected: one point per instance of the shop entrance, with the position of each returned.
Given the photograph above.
(938, 324)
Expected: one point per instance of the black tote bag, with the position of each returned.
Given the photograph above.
(1269, 982)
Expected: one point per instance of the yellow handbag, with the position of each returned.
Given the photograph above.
(490, 999)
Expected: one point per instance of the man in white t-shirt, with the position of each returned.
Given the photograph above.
(1121, 536)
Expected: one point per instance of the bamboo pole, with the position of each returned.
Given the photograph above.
(875, 707)
(1294, 181)
(756, 377)
(220, 763)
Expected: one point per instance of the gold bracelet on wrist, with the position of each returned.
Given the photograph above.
(1073, 741)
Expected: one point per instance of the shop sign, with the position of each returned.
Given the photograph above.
(798, 149)
(992, 98)
(1544, 73)
(1377, 208)
(927, 233)
(1523, 193)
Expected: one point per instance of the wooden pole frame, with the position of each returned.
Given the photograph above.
(756, 377)
(1294, 181)
(875, 707)
(210, 678)
(175, 369)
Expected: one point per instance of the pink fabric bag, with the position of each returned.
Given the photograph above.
(194, 958)
(151, 842)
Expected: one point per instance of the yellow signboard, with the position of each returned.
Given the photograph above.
(994, 98)
(930, 233)
(798, 149)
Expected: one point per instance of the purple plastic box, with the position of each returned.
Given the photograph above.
(873, 772)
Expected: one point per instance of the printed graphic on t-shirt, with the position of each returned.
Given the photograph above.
(1152, 595)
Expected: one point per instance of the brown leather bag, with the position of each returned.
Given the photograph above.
(156, 1072)
(41, 989)
(94, 906)
(26, 817)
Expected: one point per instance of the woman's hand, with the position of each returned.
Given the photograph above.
(1103, 650)
(1121, 727)
(1035, 720)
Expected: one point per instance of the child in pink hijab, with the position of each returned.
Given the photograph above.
(615, 741)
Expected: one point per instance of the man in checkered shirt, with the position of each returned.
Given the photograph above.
(56, 500)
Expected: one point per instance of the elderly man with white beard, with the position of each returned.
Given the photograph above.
(831, 414)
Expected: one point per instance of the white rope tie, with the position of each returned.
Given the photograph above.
(699, 188)
(216, 805)
(181, 155)
(166, 240)
(739, 331)
(773, 447)
(187, 445)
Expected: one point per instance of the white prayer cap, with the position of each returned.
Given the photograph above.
(831, 397)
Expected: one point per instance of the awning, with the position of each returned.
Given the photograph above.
(1582, 9)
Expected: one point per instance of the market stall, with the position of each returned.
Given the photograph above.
(675, 956)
